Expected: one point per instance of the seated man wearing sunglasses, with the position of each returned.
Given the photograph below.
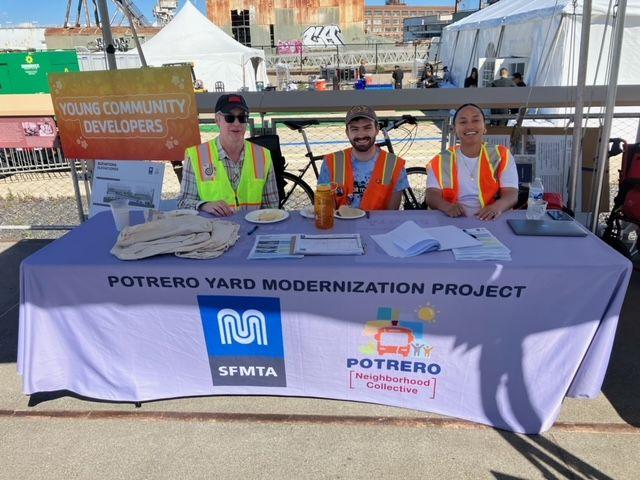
(228, 172)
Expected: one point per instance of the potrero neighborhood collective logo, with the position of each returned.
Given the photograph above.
(244, 340)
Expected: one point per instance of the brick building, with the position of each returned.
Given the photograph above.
(387, 20)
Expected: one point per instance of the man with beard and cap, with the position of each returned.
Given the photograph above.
(365, 176)
(228, 172)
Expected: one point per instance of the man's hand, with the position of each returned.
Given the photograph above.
(219, 208)
(490, 212)
(454, 210)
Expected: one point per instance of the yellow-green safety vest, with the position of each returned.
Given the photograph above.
(213, 181)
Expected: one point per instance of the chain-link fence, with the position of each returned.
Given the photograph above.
(43, 194)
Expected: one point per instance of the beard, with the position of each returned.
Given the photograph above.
(364, 146)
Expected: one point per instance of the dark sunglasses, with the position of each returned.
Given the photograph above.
(230, 118)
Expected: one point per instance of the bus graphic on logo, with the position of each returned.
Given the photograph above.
(394, 340)
(244, 340)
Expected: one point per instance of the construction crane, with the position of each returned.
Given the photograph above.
(164, 11)
(126, 8)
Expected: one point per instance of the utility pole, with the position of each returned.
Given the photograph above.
(107, 36)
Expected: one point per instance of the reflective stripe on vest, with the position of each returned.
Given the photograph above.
(389, 167)
(339, 164)
(213, 181)
(259, 160)
(205, 164)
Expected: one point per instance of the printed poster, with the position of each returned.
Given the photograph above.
(138, 182)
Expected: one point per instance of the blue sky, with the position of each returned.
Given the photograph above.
(52, 12)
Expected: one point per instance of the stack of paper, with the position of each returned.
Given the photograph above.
(490, 248)
(409, 240)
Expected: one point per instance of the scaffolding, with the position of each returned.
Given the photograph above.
(384, 56)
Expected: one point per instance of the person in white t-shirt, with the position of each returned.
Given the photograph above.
(472, 178)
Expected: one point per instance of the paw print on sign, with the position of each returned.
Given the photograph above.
(178, 82)
(171, 143)
(82, 142)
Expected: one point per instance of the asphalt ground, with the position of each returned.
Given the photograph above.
(304, 438)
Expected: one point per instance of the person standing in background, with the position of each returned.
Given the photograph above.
(517, 79)
(397, 76)
(502, 81)
(446, 76)
(362, 70)
(472, 80)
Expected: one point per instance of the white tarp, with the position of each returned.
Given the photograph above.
(546, 35)
(191, 37)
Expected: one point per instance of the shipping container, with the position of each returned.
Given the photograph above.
(27, 72)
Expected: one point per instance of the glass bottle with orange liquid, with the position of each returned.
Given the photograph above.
(324, 207)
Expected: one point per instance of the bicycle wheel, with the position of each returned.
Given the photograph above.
(297, 193)
(415, 197)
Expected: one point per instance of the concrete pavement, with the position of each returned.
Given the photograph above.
(273, 437)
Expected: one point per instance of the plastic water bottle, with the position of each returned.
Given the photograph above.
(536, 192)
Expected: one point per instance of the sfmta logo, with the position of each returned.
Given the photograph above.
(244, 340)
(247, 328)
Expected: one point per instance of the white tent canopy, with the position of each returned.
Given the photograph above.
(542, 38)
(191, 37)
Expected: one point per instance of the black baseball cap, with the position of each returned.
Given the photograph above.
(361, 111)
(226, 103)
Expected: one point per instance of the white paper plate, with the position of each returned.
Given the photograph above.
(268, 215)
(308, 212)
(358, 214)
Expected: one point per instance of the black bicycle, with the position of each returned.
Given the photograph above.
(298, 194)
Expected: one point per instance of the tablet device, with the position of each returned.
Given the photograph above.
(547, 228)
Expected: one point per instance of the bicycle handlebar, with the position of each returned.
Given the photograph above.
(300, 124)
(393, 124)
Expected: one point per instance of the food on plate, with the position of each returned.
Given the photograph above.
(269, 215)
(349, 212)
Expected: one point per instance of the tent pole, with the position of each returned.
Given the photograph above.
(499, 47)
(455, 47)
(576, 158)
(612, 90)
(244, 75)
(107, 37)
(554, 42)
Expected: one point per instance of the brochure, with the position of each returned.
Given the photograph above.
(273, 246)
(490, 247)
(329, 244)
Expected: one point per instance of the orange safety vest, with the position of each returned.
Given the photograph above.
(381, 186)
(493, 162)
